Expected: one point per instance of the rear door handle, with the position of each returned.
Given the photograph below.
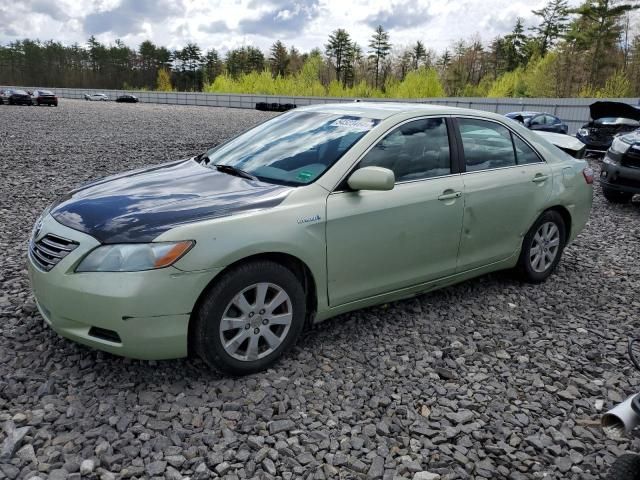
(449, 195)
(540, 178)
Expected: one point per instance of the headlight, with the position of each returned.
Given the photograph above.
(619, 146)
(134, 257)
(583, 132)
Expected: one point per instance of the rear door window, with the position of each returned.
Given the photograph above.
(524, 153)
(487, 145)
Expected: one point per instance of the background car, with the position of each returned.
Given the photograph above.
(373, 203)
(608, 119)
(127, 98)
(620, 174)
(15, 97)
(44, 97)
(540, 121)
(96, 97)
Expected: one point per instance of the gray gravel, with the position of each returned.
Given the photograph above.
(488, 379)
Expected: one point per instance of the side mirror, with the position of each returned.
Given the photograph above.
(372, 178)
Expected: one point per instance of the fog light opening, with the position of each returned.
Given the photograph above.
(104, 334)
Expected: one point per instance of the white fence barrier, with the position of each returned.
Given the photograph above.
(573, 111)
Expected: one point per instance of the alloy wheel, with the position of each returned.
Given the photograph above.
(544, 247)
(256, 321)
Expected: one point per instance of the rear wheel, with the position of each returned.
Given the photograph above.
(542, 247)
(626, 467)
(616, 196)
(250, 317)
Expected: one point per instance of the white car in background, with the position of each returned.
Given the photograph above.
(566, 143)
(96, 97)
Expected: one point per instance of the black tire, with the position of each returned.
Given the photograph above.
(616, 196)
(525, 267)
(626, 467)
(206, 332)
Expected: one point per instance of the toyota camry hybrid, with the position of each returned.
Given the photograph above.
(316, 212)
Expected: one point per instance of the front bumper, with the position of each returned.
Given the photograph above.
(142, 315)
(595, 145)
(620, 178)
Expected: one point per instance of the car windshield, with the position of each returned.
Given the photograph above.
(20, 92)
(295, 148)
(616, 121)
(45, 92)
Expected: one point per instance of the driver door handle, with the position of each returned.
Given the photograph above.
(449, 195)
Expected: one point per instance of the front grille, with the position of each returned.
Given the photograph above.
(49, 250)
(631, 158)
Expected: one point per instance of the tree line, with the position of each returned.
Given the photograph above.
(591, 50)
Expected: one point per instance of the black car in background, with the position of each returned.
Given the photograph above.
(15, 97)
(127, 99)
(44, 97)
(608, 119)
(620, 175)
(540, 121)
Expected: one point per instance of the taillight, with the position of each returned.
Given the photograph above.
(587, 173)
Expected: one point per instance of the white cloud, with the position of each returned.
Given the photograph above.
(225, 24)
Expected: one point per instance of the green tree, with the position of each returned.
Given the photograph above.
(163, 82)
(598, 27)
(554, 19)
(419, 54)
(212, 66)
(337, 49)
(444, 61)
(279, 59)
(296, 60)
(379, 48)
(515, 46)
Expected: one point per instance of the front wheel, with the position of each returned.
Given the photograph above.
(542, 247)
(250, 317)
(616, 196)
(626, 467)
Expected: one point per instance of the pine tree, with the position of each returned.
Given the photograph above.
(554, 18)
(337, 48)
(514, 46)
(296, 60)
(379, 48)
(212, 66)
(279, 59)
(419, 54)
(598, 27)
(444, 61)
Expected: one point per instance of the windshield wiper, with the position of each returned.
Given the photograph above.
(231, 170)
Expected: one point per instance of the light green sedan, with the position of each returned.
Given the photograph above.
(314, 213)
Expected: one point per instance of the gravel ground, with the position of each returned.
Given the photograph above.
(488, 379)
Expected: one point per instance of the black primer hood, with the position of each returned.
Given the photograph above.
(614, 109)
(140, 205)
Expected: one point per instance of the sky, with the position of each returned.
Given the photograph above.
(226, 24)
